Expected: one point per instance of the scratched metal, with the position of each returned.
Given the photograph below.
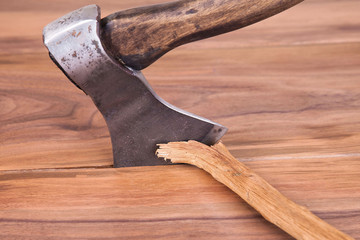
(136, 116)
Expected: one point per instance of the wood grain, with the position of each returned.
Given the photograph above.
(139, 36)
(168, 202)
(285, 87)
(279, 210)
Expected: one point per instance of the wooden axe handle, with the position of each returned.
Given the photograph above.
(139, 36)
(294, 219)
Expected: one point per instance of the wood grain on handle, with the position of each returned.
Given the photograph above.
(139, 36)
(294, 219)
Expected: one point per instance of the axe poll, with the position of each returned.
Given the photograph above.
(103, 57)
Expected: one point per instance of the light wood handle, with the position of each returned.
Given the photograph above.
(294, 219)
(139, 36)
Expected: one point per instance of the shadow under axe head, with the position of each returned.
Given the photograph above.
(136, 116)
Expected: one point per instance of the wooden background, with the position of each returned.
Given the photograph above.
(287, 88)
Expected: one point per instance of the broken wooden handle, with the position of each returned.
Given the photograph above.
(296, 220)
(139, 36)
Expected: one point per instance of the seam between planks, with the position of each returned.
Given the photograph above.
(54, 169)
(341, 155)
(345, 155)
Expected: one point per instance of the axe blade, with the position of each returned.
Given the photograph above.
(137, 118)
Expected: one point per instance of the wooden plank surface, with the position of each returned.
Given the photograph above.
(287, 88)
(168, 202)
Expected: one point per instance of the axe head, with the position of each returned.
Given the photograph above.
(136, 116)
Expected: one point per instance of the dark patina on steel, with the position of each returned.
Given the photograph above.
(136, 116)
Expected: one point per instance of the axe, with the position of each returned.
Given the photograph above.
(103, 57)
